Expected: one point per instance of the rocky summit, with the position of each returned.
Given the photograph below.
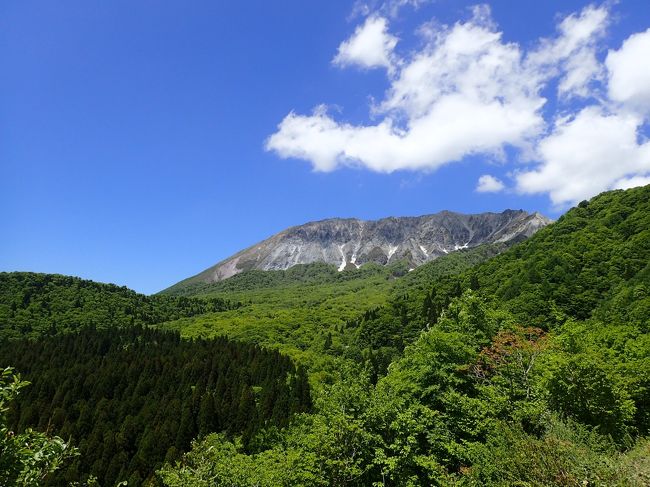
(349, 242)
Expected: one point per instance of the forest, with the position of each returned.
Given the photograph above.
(132, 398)
(527, 365)
(36, 305)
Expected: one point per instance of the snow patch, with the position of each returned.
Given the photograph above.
(459, 247)
(424, 251)
(343, 263)
(353, 259)
(391, 251)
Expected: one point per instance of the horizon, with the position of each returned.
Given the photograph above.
(142, 144)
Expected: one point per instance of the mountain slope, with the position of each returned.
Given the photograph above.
(594, 261)
(351, 243)
(576, 265)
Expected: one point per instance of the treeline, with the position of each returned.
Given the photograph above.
(35, 305)
(132, 398)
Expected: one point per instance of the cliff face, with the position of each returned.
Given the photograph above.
(352, 242)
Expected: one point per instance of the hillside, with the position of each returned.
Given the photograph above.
(577, 266)
(311, 311)
(132, 398)
(33, 305)
(530, 368)
(592, 262)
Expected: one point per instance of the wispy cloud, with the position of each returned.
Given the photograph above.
(388, 8)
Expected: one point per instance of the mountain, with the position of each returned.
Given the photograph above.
(350, 243)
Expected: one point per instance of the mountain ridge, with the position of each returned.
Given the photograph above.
(352, 242)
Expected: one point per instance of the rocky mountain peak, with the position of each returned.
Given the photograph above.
(353, 242)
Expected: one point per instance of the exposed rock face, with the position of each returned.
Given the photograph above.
(352, 242)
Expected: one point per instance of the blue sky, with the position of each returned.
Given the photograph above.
(143, 141)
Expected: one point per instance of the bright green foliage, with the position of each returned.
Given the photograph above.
(332, 447)
(293, 311)
(592, 253)
(600, 375)
(26, 459)
(584, 389)
(565, 454)
(418, 282)
(313, 312)
(530, 369)
(300, 275)
(34, 305)
(217, 462)
(452, 411)
(394, 434)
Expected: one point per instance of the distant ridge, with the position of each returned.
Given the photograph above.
(351, 242)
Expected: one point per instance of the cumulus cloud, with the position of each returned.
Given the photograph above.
(601, 147)
(371, 46)
(469, 60)
(633, 182)
(629, 72)
(489, 184)
(586, 155)
(467, 91)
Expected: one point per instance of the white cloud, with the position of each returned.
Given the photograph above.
(466, 91)
(629, 72)
(586, 155)
(469, 59)
(633, 182)
(371, 46)
(450, 130)
(489, 184)
(572, 54)
(390, 8)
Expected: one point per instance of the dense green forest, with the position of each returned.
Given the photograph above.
(132, 398)
(45, 304)
(593, 262)
(527, 365)
(312, 312)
